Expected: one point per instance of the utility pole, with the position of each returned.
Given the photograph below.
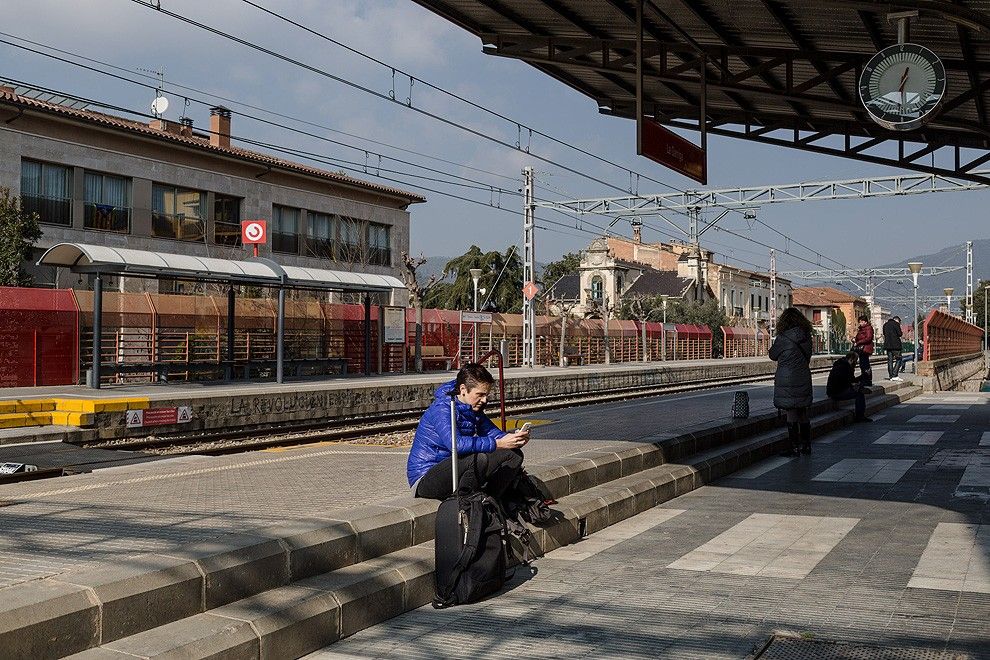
(773, 293)
(970, 312)
(529, 270)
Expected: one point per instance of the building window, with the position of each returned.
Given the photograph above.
(108, 202)
(752, 302)
(379, 247)
(816, 317)
(227, 220)
(321, 236)
(351, 247)
(285, 229)
(177, 213)
(46, 189)
(597, 289)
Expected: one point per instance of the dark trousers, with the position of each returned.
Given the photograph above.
(491, 472)
(866, 371)
(852, 394)
(894, 363)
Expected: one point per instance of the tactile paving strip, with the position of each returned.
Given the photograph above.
(787, 648)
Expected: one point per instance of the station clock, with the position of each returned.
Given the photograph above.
(902, 86)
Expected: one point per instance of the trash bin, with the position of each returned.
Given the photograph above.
(740, 405)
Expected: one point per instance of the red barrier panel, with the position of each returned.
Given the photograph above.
(947, 336)
(39, 337)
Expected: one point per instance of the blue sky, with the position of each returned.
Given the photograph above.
(855, 233)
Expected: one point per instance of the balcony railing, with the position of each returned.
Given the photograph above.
(50, 210)
(104, 217)
(288, 243)
(227, 233)
(379, 256)
(322, 248)
(177, 226)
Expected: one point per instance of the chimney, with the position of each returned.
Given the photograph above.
(185, 126)
(220, 127)
(164, 125)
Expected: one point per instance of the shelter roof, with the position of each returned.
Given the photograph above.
(9, 96)
(776, 71)
(822, 296)
(259, 271)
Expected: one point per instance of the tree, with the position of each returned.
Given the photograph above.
(416, 295)
(979, 301)
(501, 277)
(566, 265)
(707, 313)
(18, 232)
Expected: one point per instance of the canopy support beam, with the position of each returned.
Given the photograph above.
(97, 331)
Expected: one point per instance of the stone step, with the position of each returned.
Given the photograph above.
(306, 615)
(150, 590)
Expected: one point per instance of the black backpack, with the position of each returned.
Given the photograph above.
(469, 549)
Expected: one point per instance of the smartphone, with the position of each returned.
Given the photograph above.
(526, 426)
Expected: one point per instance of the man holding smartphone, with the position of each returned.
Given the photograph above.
(488, 459)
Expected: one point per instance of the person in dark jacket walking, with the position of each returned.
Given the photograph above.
(842, 385)
(792, 392)
(863, 345)
(488, 459)
(893, 347)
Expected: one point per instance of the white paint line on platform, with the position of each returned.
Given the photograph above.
(769, 545)
(909, 438)
(867, 470)
(614, 535)
(957, 558)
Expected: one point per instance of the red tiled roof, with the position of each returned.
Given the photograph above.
(812, 296)
(9, 97)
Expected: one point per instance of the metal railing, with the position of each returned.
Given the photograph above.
(286, 243)
(177, 226)
(227, 233)
(50, 210)
(948, 336)
(107, 218)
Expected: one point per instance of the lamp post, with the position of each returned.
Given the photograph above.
(663, 299)
(948, 299)
(915, 268)
(475, 277)
(986, 343)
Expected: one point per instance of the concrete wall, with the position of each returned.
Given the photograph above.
(952, 373)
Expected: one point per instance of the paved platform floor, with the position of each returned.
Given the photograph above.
(52, 526)
(876, 543)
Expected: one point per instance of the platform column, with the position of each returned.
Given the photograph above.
(367, 334)
(97, 330)
(231, 308)
(280, 338)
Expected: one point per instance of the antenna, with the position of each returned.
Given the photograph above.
(160, 104)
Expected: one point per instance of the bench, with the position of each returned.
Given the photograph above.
(433, 355)
(572, 355)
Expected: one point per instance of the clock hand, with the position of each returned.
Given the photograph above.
(904, 79)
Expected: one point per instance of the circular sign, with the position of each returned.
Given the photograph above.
(254, 231)
(902, 86)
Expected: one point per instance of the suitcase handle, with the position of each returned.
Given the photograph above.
(453, 440)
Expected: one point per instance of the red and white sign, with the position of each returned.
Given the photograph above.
(670, 149)
(530, 290)
(254, 231)
(158, 416)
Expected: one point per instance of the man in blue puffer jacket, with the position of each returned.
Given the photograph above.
(488, 459)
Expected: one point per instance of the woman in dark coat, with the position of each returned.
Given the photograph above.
(792, 393)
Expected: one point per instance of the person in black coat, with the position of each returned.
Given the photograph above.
(842, 385)
(792, 392)
(892, 345)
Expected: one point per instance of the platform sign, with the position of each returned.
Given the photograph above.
(666, 147)
(476, 317)
(14, 468)
(530, 290)
(394, 325)
(158, 416)
(254, 231)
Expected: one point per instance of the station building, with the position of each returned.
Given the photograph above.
(164, 186)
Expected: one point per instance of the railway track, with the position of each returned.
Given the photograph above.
(251, 439)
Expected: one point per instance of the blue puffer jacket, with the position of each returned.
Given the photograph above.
(476, 434)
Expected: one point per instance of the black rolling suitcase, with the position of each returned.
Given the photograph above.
(470, 541)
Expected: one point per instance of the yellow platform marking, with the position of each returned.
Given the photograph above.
(26, 405)
(103, 405)
(16, 413)
(17, 420)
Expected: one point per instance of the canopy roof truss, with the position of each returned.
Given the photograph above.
(781, 72)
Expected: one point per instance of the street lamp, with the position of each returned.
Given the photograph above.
(948, 299)
(475, 277)
(663, 299)
(915, 268)
(986, 342)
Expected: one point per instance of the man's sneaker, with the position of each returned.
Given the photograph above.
(897, 379)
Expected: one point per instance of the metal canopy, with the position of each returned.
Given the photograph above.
(81, 257)
(782, 72)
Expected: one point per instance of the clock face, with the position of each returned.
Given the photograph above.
(902, 86)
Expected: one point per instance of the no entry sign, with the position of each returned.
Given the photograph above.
(254, 231)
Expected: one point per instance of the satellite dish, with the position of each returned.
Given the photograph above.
(159, 105)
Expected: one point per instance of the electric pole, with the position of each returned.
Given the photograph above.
(529, 271)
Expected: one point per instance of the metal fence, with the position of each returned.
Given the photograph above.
(948, 336)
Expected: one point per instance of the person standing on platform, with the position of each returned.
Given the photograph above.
(893, 347)
(863, 346)
(792, 392)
